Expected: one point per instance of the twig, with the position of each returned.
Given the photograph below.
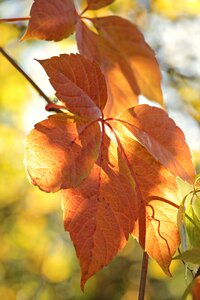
(36, 87)
(84, 10)
(15, 19)
(143, 276)
(197, 273)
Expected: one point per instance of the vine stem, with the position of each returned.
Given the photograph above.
(143, 276)
(84, 10)
(15, 19)
(34, 85)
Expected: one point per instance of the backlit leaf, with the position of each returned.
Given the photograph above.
(162, 138)
(196, 206)
(191, 256)
(197, 180)
(196, 288)
(100, 213)
(192, 223)
(61, 152)
(157, 198)
(96, 4)
(114, 178)
(79, 84)
(127, 61)
(51, 20)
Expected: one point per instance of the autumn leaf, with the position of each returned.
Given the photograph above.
(157, 197)
(112, 182)
(96, 4)
(51, 20)
(162, 138)
(191, 256)
(61, 152)
(127, 61)
(79, 84)
(100, 213)
(192, 221)
(196, 288)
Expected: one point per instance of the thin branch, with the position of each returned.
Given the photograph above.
(197, 273)
(34, 85)
(143, 276)
(86, 18)
(84, 10)
(14, 19)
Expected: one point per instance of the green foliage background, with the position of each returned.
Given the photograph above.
(37, 258)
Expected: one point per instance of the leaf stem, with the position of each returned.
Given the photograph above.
(143, 276)
(87, 18)
(34, 85)
(142, 208)
(84, 10)
(14, 19)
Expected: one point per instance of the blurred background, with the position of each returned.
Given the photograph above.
(37, 258)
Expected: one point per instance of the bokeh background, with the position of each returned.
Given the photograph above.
(37, 258)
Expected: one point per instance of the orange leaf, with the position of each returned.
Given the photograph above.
(162, 138)
(127, 61)
(51, 20)
(79, 84)
(96, 4)
(157, 197)
(100, 213)
(61, 152)
(196, 288)
(113, 180)
(125, 185)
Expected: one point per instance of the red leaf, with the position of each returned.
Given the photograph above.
(128, 63)
(79, 84)
(124, 186)
(51, 20)
(196, 288)
(162, 138)
(157, 197)
(96, 4)
(116, 184)
(100, 213)
(61, 152)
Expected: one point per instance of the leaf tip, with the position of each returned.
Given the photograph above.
(24, 37)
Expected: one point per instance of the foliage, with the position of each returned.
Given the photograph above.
(114, 161)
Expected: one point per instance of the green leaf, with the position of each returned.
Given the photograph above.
(188, 291)
(196, 207)
(181, 226)
(192, 226)
(190, 256)
(197, 178)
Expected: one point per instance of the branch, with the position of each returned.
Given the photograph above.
(14, 19)
(85, 9)
(143, 276)
(34, 85)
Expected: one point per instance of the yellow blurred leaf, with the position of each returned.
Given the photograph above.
(8, 33)
(29, 231)
(7, 293)
(174, 9)
(40, 203)
(191, 96)
(156, 272)
(12, 176)
(56, 266)
(14, 93)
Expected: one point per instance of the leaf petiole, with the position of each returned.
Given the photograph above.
(9, 20)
